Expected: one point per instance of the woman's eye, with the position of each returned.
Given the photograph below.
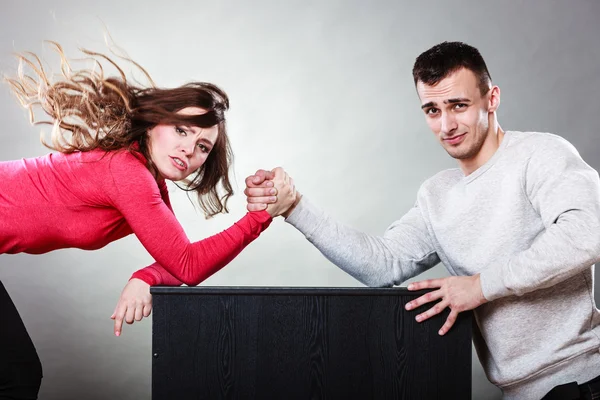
(180, 131)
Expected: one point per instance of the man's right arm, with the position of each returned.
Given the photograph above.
(404, 251)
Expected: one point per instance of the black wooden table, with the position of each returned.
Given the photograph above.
(303, 343)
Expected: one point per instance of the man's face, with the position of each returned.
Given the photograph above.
(457, 113)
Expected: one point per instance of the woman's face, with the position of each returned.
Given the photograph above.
(178, 151)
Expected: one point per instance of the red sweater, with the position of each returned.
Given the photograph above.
(89, 199)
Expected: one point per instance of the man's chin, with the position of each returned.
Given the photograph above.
(457, 153)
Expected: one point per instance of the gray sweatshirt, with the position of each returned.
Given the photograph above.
(528, 221)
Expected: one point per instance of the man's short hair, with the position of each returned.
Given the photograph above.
(445, 58)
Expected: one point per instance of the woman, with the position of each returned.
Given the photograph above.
(117, 144)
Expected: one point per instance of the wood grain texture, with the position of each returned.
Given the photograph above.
(302, 343)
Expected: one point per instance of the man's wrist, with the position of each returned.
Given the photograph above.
(293, 206)
(482, 299)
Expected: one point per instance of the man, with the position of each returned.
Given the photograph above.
(517, 225)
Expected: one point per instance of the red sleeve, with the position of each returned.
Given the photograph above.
(135, 193)
(216, 252)
(155, 274)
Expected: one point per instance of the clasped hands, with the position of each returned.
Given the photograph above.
(273, 191)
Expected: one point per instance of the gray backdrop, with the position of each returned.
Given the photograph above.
(323, 89)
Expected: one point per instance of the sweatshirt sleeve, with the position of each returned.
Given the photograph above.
(406, 249)
(135, 193)
(565, 191)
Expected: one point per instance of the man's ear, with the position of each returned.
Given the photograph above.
(494, 99)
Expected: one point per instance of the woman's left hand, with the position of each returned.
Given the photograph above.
(134, 304)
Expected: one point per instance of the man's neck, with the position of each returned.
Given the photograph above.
(489, 148)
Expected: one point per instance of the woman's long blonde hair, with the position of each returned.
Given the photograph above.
(90, 111)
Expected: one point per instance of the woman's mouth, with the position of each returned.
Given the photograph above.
(179, 163)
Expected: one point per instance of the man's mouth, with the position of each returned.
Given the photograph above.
(455, 139)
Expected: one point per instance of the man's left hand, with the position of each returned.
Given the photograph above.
(459, 293)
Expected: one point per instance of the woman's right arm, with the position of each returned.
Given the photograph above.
(134, 192)
(157, 275)
(135, 301)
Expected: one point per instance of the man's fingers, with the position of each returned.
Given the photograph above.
(278, 173)
(426, 284)
(426, 298)
(449, 322)
(435, 310)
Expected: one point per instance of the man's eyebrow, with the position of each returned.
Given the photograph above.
(457, 100)
(449, 101)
